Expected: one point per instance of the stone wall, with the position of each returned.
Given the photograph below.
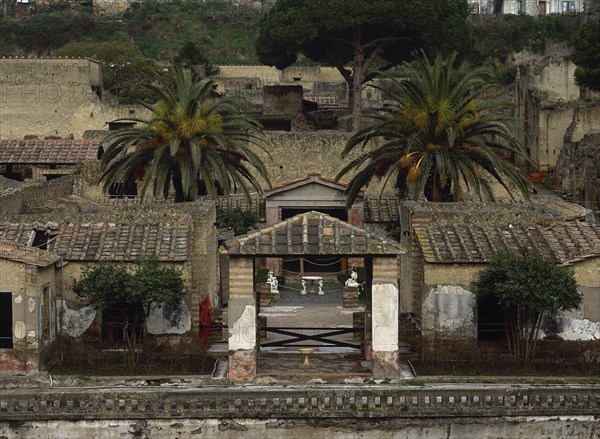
(549, 109)
(449, 305)
(110, 7)
(345, 403)
(55, 97)
(344, 428)
(18, 200)
(296, 155)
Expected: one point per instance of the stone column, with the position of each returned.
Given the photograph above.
(384, 319)
(242, 320)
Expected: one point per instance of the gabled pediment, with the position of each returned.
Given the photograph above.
(312, 187)
(312, 233)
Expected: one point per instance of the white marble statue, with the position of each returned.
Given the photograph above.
(272, 280)
(352, 281)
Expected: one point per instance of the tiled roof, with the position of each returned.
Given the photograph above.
(68, 152)
(312, 233)
(539, 211)
(546, 210)
(462, 243)
(255, 205)
(381, 210)
(106, 241)
(28, 255)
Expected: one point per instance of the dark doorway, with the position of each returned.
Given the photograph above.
(490, 320)
(6, 321)
(276, 124)
(118, 319)
(126, 189)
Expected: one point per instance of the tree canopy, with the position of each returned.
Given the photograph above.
(355, 36)
(124, 67)
(527, 285)
(194, 142)
(586, 55)
(134, 292)
(436, 136)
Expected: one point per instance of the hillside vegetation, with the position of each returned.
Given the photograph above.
(227, 33)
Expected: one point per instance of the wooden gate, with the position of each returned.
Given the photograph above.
(320, 337)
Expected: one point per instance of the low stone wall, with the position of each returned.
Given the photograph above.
(17, 201)
(321, 402)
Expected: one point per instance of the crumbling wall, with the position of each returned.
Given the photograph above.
(578, 171)
(18, 200)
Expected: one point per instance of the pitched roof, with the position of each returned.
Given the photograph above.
(538, 211)
(312, 233)
(308, 179)
(470, 243)
(255, 205)
(545, 210)
(34, 151)
(106, 241)
(381, 210)
(28, 255)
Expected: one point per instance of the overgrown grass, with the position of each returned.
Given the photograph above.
(553, 358)
(92, 359)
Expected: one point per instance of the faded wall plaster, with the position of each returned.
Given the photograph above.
(164, 320)
(242, 334)
(75, 322)
(385, 317)
(450, 310)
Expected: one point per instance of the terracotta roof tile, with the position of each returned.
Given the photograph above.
(106, 241)
(255, 205)
(470, 243)
(312, 233)
(381, 210)
(69, 152)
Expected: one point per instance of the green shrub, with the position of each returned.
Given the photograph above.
(239, 220)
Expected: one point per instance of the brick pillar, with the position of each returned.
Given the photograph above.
(384, 319)
(242, 320)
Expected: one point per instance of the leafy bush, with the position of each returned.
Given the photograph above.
(237, 219)
(586, 55)
(498, 36)
(124, 67)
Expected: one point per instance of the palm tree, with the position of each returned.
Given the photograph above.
(192, 140)
(437, 137)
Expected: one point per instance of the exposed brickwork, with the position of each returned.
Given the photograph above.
(241, 277)
(385, 268)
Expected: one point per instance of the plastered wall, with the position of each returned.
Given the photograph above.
(55, 97)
